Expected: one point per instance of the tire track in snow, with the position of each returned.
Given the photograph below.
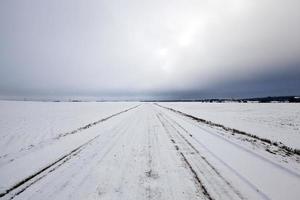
(94, 123)
(197, 152)
(196, 178)
(214, 183)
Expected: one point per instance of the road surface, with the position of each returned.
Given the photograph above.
(149, 152)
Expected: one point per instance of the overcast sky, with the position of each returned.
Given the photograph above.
(149, 49)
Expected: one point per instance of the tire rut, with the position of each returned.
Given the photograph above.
(200, 186)
(199, 154)
(93, 123)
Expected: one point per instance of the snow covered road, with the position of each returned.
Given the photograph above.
(150, 152)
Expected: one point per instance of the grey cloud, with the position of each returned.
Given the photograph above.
(149, 48)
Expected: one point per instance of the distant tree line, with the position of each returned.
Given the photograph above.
(281, 99)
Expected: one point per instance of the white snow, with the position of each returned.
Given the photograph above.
(28, 123)
(147, 152)
(275, 121)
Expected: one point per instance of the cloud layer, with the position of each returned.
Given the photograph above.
(150, 48)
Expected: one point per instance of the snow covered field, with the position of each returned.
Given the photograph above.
(28, 123)
(275, 121)
(139, 151)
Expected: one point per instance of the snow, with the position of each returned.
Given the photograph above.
(28, 123)
(146, 152)
(251, 170)
(275, 121)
